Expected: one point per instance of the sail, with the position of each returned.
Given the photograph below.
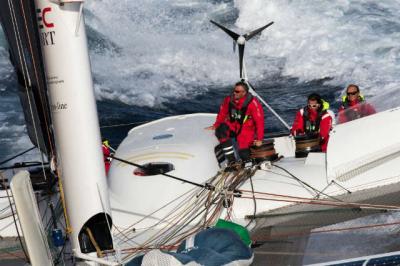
(19, 25)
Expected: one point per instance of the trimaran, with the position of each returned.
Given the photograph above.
(165, 182)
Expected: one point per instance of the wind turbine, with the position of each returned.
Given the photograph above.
(240, 41)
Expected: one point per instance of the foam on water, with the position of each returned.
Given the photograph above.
(166, 50)
(13, 133)
(150, 52)
(170, 50)
(350, 41)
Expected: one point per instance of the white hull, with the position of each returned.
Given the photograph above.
(189, 148)
(284, 208)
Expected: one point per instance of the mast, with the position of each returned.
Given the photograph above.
(75, 123)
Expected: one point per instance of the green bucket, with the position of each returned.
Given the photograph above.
(238, 229)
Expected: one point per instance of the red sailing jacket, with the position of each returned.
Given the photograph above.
(106, 153)
(351, 110)
(253, 125)
(325, 125)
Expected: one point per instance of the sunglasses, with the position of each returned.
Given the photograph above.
(352, 93)
(313, 105)
(237, 91)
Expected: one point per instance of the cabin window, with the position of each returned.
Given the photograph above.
(155, 168)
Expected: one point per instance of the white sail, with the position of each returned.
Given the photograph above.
(31, 222)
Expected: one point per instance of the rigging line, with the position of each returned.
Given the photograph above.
(252, 90)
(25, 72)
(23, 165)
(15, 221)
(327, 203)
(206, 186)
(162, 207)
(171, 224)
(188, 215)
(40, 95)
(339, 185)
(318, 192)
(154, 238)
(343, 203)
(254, 202)
(307, 187)
(127, 124)
(157, 237)
(5, 217)
(302, 233)
(311, 191)
(215, 209)
(37, 80)
(5, 208)
(163, 218)
(18, 40)
(15, 156)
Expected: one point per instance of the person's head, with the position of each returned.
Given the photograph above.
(105, 142)
(352, 92)
(240, 90)
(314, 101)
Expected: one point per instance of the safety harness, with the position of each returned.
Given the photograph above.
(240, 116)
(313, 126)
(353, 113)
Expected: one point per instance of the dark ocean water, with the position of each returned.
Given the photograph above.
(153, 59)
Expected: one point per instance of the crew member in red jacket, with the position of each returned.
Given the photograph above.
(314, 119)
(354, 105)
(106, 153)
(241, 117)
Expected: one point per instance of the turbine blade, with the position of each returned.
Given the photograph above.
(253, 33)
(233, 35)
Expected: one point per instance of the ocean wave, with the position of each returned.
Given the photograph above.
(349, 41)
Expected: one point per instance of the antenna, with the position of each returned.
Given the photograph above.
(240, 41)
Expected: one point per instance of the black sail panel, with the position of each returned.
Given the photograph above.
(18, 19)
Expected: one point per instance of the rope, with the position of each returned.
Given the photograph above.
(15, 156)
(62, 197)
(95, 244)
(294, 199)
(254, 202)
(197, 209)
(206, 186)
(318, 192)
